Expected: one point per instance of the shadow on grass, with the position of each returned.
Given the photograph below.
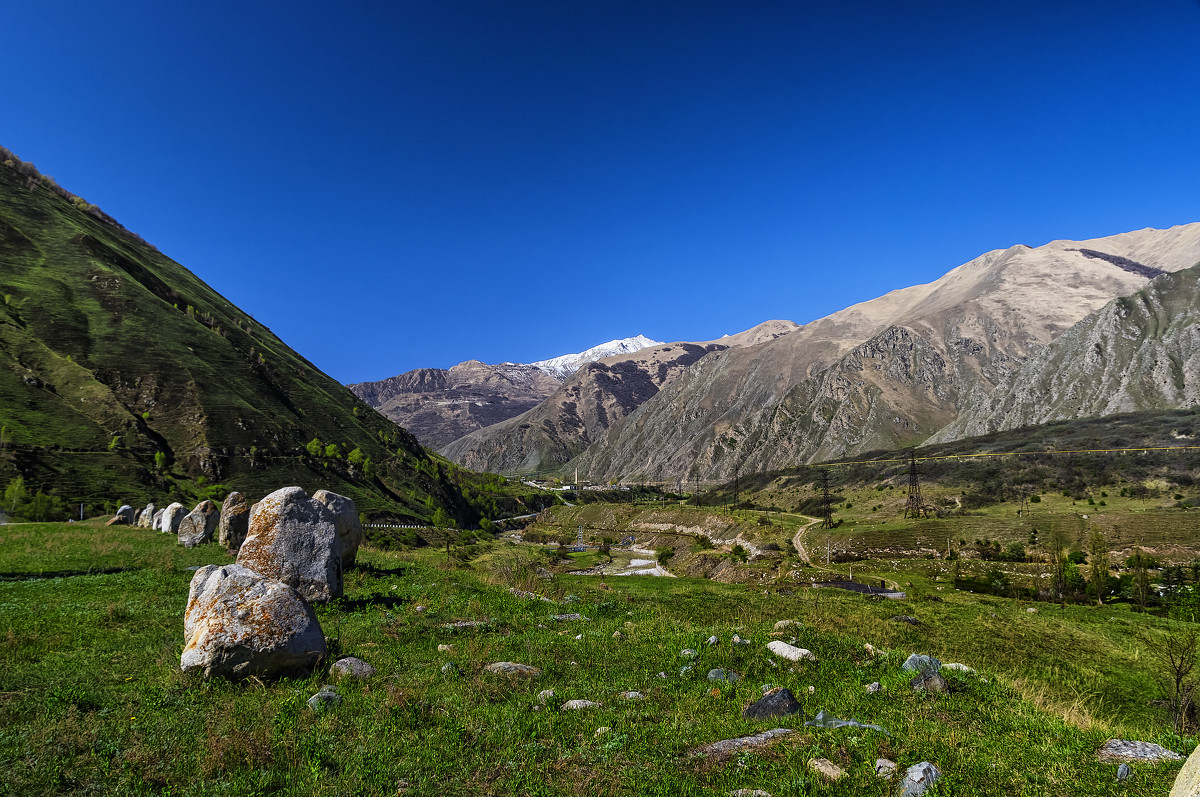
(44, 574)
(369, 602)
(372, 570)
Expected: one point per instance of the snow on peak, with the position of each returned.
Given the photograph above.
(562, 367)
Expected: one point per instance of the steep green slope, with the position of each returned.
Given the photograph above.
(123, 377)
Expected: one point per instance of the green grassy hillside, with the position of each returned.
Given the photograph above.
(125, 378)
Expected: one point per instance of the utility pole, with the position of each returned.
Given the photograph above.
(913, 507)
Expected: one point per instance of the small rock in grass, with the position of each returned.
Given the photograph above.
(885, 768)
(1123, 772)
(449, 669)
(874, 687)
(737, 640)
(1031, 610)
(826, 768)
(350, 667)
(904, 618)
(779, 702)
(684, 670)
(919, 662)
(918, 778)
(783, 624)
(512, 669)
(632, 696)
(1115, 750)
(545, 695)
(618, 635)
(662, 675)
(954, 665)
(579, 636)
(727, 747)
(719, 674)
(603, 729)
(419, 608)
(566, 618)
(928, 682)
(688, 653)
(579, 705)
(712, 640)
(749, 793)
(789, 652)
(325, 699)
(445, 649)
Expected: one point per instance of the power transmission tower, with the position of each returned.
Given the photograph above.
(826, 503)
(913, 508)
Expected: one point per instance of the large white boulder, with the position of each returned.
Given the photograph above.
(239, 624)
(198, 527)
(172, 516)
(235, 522)
(294, 538)
(146, 518)
(349, 529)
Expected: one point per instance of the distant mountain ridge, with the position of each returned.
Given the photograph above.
(562, 367)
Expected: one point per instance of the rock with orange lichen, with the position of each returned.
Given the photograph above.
(349, 528)
(239, 624)
(294, 539)
(234, 523)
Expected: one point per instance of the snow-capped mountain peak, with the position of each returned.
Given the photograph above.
(562, 367)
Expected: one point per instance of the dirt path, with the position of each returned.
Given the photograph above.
(798, 540)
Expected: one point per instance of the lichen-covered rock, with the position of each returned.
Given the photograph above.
(239, 623)
(198, 527)
(1116, 750)
(172, 516)
(351, 668)
(826, 768)
(349, 529)
(234, 523)
(293, 538)
(146, 517)
(1187, 782)
(918, 778)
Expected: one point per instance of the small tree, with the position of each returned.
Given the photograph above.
(315, 447)
(1179, 654)
(1098, 563)
(14, 493)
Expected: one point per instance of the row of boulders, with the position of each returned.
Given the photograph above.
(255, 617)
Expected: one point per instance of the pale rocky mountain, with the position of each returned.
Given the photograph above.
(595, 397)
(440, 405)
(886, 373)
(564, 366)
(1140, 352)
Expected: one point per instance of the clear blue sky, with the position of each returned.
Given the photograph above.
(392, 185)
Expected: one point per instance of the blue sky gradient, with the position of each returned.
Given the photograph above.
(392, 185)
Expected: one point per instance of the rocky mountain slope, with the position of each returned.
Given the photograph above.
(440, 405)
(123, 377)
(1139, 352)
(886, 373)
(594, 398)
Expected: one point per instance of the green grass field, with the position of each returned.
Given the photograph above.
(92, 699)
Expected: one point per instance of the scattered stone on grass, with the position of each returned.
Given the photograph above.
(790, 652)
(618, 635)
(512, 669)
(777, 702)
(532, 596)
(904, 618)
(632, 695)
(294, 538)
(239, 623)
(712, 640)
(737, 640)
(449, 668)
(824, 720)
(728, 747)
(326, 699)
(826, 768)
(918, 778)
(351, 667)
(545, 696)
(458, 625)
(720, 674)
(1120, 750)
(1124, 772)
(688, 653)
(579, 705)
(785, 624)
(874, 687)
(234, 522)
(929, 682)
(446, 649)
(749, 793)
(919, 662)
(199, 525)
(603, 729)
(565, 618)
(954, 665)
(871, 649)
(885, 768)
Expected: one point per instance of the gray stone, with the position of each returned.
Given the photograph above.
(125, 515)
(826, 768)
(545, 696)
(874, 687)
(783, 625)
(749, 793)
(172, 516)
(239, 623)
(234, 523)
(928, 682)
(1117, 750)
(919, 662)
(954, 665)
(324, 700)
(156, 521)
(779, 702)
(790, 652)
(719, 674)
(1124, 772)
(567, 618)
(688, 653)
(294, 539)
(579, 705)
(145, 519)
(727, 747)
(449, 668)
(512, 669)
(885, 768)
(918, 778)
(350, 667)
(904, 618)
(824, 720)
(345, 520)
(712, 640)
(632, 696)
(198, 527)
(737, 640)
